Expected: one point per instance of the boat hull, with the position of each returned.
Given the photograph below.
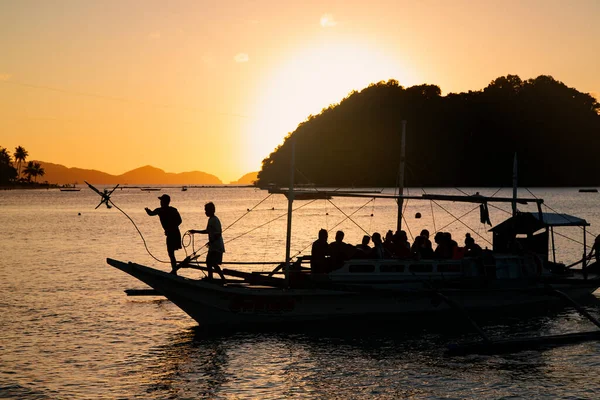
(210, 304)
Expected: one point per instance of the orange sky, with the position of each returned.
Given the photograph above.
(216, 85)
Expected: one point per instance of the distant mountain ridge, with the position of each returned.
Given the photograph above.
(247, 179)
(146, 175)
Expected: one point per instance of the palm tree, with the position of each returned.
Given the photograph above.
(39, 170)
(20, 157)
(29, 170)
(8, 173)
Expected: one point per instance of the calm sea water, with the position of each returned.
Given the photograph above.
(69, 332)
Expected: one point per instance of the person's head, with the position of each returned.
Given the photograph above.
(365, 240)
(376, 238)
(389, 236)
(425, 233)
(323, 234)
(439, 237)
(339, 236)
(209, 209)
(419, 241)
(469, 240)
(165, 199)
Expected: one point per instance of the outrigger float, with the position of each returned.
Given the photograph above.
(517, 272)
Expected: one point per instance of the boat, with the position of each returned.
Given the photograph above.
(184, 188)
(390, 288)
(149, 189)
(517, 272)
(69, 188)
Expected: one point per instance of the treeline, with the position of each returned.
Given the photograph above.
(464, 139)
(13, 171)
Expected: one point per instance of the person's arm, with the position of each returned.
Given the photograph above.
(151, 212)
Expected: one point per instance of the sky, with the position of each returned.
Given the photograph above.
(215, 86)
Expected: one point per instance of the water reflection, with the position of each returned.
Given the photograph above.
(382, 360)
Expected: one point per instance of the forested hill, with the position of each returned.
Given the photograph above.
(464, 139)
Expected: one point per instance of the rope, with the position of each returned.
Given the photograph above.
(138, 230)
(458, 219)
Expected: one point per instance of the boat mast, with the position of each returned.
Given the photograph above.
(288, 238)
(514, 204)
(401, 175)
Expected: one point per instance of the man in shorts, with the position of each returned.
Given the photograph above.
(216, 247)
(170, 221)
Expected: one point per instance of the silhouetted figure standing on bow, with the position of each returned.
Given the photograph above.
(170, 221)
(216, 247)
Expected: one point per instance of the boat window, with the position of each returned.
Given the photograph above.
(361, 268)
(449, 268)
(421, 268)
(391, 268)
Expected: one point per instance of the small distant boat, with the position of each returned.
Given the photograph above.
(69, 188)
(149, 189)
(183, 188)
(592, 190)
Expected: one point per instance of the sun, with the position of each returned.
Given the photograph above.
(312, 79)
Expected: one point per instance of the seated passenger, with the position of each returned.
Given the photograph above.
(445, 245)
(472, 249)
(363, 249)
(421, 249)
(340, 251)
(425, 234)
(401, 245)
(377, 251)
(319, 251)
(388, 245)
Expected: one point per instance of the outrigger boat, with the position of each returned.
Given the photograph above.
(391, 288)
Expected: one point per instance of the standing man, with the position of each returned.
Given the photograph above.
(170, 221)
(216, 247)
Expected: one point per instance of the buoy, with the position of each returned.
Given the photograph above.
(418, 215)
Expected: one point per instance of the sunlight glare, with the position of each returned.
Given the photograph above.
(310, 81)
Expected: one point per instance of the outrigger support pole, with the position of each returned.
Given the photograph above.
(576, 306)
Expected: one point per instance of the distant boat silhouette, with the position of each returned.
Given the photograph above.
(69, 188)
(593, 190)
(150, 189)
(183, 188)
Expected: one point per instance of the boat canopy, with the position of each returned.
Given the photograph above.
(528, 222)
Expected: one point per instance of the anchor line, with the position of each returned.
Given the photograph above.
(108, 201)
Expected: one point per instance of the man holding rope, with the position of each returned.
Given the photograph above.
(216, 247)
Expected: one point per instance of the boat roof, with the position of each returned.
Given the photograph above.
(313, 194)
(529, 222)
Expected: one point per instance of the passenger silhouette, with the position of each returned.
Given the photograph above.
(472, 249)
(170, 221)
(595, 249)
(378, 250)
(216, 247)
(318, 254)
(339, 250)
(363, 249)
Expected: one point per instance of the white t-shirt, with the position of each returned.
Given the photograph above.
(215, 237)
